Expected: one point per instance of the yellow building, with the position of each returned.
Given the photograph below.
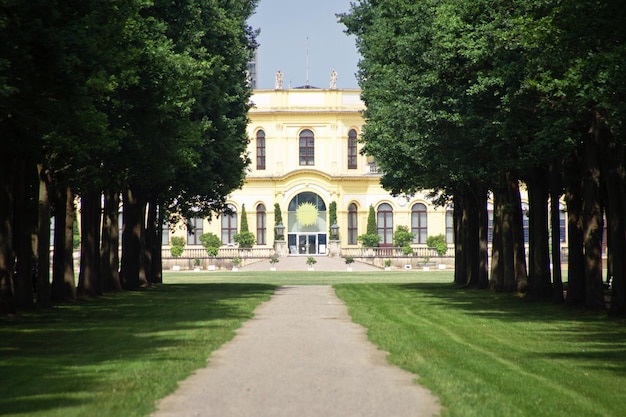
(306, 156)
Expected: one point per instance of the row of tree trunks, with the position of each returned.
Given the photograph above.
(508, 261)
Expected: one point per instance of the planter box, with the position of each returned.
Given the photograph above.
(349, 269)
(211, 267)
(176, 268)
(272, 268)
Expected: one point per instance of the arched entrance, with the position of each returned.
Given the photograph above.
(307, 224)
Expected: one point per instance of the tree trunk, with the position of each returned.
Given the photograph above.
(540, 285)
(469, 229)
(109, 253)
(23, 222)
(43, 240)
(614, 176)
(496, 280)
(459, 260)
(153, 243)
(520, 280)
(7, 299)
(555, 221)
(575, 258)
(63, 280)
(132, 273)
(483, 240)
(592, 221)
(88, 278)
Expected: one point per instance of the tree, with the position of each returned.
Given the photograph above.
(332, 219)
(371, 238)
(278, 219)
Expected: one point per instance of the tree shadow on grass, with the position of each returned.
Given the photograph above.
(66, 356)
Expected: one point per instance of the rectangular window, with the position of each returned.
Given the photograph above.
(261, 228)
(352, 153)
(194, 232)
(260, 150)
(307, 150)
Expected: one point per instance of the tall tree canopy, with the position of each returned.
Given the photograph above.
(468, 98)
(147, 100)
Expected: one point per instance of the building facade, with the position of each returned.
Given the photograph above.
(305, 153)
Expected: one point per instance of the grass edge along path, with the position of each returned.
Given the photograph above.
(491, 355)
(118, 354)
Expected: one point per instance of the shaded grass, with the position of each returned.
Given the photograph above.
(486, 354)
(116, 355)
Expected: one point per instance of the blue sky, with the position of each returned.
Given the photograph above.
(285, 26)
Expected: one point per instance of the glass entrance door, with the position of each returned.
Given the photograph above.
(307, 244)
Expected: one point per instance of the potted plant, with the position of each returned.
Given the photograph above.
(236, 263)
(310, 261)
(273, 262)
(196, 264)
(425, 266)
(177, 247)
(212, 252)
(349, 260)
(387, 264)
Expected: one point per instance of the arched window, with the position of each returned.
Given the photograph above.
(384, 224)
(307, 147)
(353, 219)
(260, 149)
(229, 224)
(261, 226)
(352, 151)
(450, 225)
(419, 223)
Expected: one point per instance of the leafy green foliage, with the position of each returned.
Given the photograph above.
(371, 222)
(278, 219)
(439, 243)
(402, 237)
(245, 239)
(244, 219)
(332, 218)
(369, 240)
(211, 243)
(177, 246)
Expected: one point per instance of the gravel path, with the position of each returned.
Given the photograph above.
(300, 356)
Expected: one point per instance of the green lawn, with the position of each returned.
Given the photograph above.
(482, 354)
(486, 354)
(115, 356)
